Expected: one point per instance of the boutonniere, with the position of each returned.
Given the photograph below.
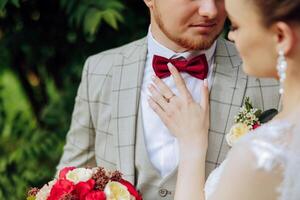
(247, 119)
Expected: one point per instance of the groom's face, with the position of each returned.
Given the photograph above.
(191, 24)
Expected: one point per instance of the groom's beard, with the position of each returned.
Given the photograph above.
(187, 43)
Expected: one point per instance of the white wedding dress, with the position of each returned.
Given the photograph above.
(275, 143)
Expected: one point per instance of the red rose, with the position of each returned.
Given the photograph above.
(60, 188)
(83, 188)
(64, 171)
(255, 126)
(95, 195)
(131, 189)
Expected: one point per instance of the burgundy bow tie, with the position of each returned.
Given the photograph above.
(196, 67)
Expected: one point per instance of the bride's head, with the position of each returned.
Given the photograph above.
(260, 28)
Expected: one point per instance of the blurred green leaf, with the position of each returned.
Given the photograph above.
(3, 4)
(92, 21)
(43, 47)
(16, 3)
(31, 198)
(112, 17)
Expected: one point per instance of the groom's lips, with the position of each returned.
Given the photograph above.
(203, 27)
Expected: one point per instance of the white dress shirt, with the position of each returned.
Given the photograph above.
(161, 145)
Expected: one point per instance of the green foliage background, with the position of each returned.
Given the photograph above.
(43, 45)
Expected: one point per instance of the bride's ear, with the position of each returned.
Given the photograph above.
(284, 36)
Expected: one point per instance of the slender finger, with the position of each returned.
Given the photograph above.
(158, 110)
(180, 84)
(162, 87)
(157, 97)
(204, 95)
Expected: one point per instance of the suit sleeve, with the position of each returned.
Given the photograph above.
(79, 149)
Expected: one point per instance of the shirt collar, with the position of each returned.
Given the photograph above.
(155, 48)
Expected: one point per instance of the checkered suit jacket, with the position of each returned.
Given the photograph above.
(103, 127)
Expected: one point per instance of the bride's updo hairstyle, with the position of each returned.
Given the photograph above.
(278, 10)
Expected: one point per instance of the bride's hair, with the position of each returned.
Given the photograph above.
(278, 10)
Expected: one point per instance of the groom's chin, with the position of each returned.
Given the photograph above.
(197, 42)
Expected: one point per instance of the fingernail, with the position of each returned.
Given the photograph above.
(169, 66)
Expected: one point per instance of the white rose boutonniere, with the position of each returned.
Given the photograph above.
(236, 131)
(246, 120)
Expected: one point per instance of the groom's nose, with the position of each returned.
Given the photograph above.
(208, 9)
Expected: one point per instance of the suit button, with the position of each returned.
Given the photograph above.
(163, 192)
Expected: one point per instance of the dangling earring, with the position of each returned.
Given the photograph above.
(281, 69)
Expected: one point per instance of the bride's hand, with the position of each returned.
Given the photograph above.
(185, 118)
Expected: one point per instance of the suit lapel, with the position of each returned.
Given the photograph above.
(127, 79)
(226, 95)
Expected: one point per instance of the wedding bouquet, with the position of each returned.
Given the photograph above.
(86, 184)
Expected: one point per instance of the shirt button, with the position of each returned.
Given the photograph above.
(163, 192)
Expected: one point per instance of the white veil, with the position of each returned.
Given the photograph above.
(290, 188)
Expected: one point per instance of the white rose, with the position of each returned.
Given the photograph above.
(236, 132)
(115, 190)
(79, 175)
(44, 192)
(132, 197)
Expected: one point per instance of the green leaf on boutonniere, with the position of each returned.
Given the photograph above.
(248, 104)
(268, 115)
